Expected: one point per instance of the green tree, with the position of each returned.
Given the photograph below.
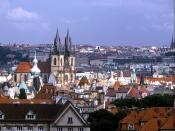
(103, 120)
(22, 94)
(156, 100)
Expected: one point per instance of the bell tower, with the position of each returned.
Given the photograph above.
(63, 60)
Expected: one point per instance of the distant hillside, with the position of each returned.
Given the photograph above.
(7, 55)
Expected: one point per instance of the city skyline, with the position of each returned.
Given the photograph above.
(115, 22)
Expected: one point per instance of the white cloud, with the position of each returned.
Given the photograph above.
(21, 14)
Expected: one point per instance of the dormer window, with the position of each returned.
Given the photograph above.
(30, 116)
(1, 116)
(130, 127)
(70, 121)
(40, 128)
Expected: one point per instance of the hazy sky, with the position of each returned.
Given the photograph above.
(127, 22)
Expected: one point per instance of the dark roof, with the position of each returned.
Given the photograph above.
(44, 112)
(45, 67)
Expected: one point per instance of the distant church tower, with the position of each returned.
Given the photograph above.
(63, 60)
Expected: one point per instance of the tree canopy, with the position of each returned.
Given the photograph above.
(156, 100)
(103, 120)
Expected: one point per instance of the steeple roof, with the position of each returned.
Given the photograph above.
(57, 43)
(68, 44)
(172, 46)
(35, 70)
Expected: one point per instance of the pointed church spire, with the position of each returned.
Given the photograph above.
(57, 43)
(68, 43)
(35, 70)
(172, 44)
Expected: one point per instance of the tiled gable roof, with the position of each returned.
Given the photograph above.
(46, 92)
(111, 92)
(135, 93)
(154, 118)
(170, 123)
(154, 124)
(23, 67)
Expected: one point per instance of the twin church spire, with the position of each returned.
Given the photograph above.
(58, 48)
(172, 46)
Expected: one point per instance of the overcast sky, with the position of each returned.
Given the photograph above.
(115, 22)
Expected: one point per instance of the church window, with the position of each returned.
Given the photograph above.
(69, 120)
(25, 77)
(55, 61)
(72, 62)
(61, 62)
(15, 78)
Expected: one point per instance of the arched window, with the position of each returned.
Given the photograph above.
(55, 61)
(61, 62)
(25, 77)
(15, 78)
(72, 62)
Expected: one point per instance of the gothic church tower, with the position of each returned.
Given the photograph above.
(63, 60)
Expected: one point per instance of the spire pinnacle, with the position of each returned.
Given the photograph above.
(172, 46)
(57, 43)
(35, 70)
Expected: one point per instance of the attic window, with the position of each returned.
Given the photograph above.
(70, 121)
(130, 127)
(30, 116)
(1, 116)
(40, 128)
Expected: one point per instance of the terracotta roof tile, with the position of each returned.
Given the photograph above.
(23, 67)
(170, 123)
(111, 92)
(153, 125)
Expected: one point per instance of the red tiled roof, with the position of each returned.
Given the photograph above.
(111, 92)
(170, 123)
(23, 67)
(134, 93)
(151, 118)
(46, 92)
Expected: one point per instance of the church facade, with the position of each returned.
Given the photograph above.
(63, 60)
